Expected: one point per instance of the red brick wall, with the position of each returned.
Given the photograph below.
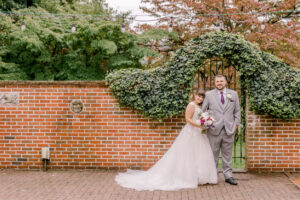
(105, 136)
(102, 136)
(272, 144)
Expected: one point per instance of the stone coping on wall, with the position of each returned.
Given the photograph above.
(75, 83)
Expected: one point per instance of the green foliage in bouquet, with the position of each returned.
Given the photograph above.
(272, 85)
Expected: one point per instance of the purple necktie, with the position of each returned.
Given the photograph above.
(222, 98)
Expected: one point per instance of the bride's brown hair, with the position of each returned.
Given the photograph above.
(198, 92)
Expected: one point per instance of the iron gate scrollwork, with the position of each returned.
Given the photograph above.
(205, 80)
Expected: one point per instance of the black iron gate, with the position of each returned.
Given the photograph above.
(205, 80)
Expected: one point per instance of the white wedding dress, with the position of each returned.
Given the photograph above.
(186, 164)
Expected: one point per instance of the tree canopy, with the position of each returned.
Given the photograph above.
(261, 21)
(48, 50)
(8, 5)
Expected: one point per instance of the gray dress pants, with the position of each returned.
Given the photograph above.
(224, 143)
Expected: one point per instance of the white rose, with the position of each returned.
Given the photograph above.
(209, 123)
(205, 115)
(229, 96)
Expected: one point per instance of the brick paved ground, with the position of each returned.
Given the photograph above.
(95, 185)
(295, 178)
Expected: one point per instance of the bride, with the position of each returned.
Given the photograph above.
(186, 164)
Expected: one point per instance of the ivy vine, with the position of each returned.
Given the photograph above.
(272, 85)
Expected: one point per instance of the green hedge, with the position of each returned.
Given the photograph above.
(273, 87)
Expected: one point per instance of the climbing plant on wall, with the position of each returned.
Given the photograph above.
(272, 86)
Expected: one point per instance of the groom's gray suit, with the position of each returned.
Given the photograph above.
(227, 116)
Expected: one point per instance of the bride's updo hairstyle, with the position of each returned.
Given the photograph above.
(198, 92)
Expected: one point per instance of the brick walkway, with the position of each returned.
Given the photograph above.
(95, 185)
(295, 178)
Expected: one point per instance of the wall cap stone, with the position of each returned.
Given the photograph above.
(77, 83)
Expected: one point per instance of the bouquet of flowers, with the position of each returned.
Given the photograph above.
(207, 120)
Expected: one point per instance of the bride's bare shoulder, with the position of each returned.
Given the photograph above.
(190, 105)
(193, 105)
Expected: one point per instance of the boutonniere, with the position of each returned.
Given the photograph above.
(229, 96)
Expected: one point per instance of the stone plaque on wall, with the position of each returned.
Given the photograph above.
(9, 98)
(76, 106)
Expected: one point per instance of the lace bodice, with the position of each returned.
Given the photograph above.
(197, 113)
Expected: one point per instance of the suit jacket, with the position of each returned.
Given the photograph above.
(227, 115)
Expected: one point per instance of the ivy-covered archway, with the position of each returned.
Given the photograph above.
(272, 85)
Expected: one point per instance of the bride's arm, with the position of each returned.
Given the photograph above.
(189, 114)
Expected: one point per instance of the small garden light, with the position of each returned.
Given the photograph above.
(262, 26)
(45, 157)
(73, 26)
(123, 28)
(23, 27)
(171, 25)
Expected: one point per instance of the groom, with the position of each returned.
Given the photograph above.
(224, 103)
